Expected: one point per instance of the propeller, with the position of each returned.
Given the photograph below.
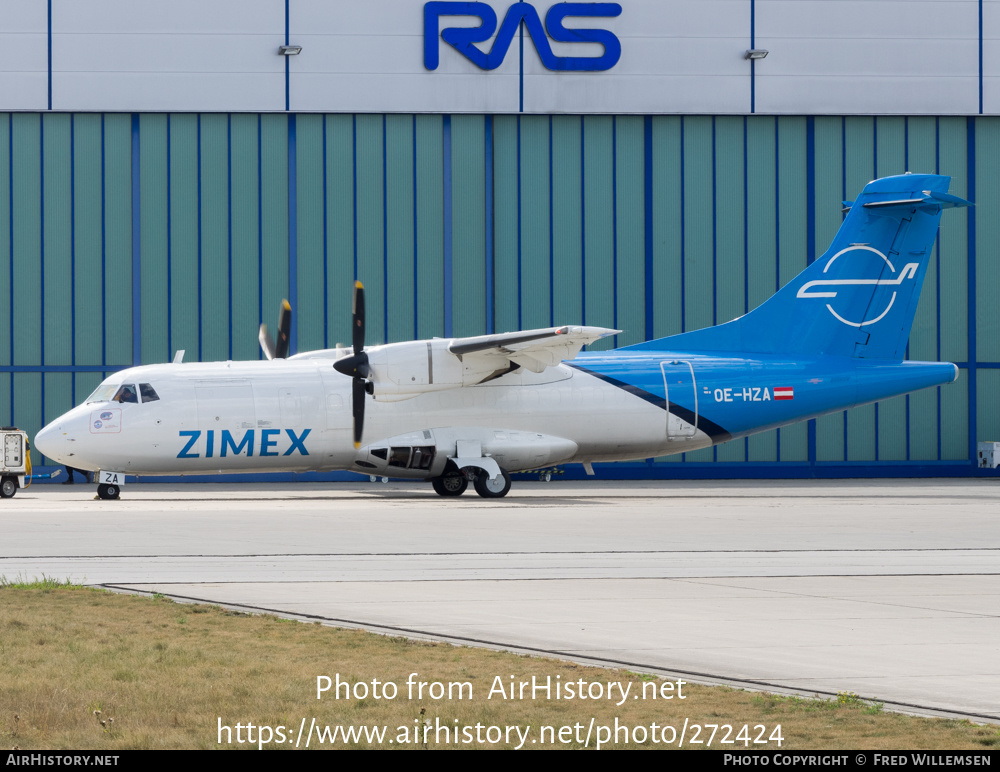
(279, 351)
(356, 365)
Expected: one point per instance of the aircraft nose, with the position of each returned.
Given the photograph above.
(54, 441)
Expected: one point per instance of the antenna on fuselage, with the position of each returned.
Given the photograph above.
(178, 357)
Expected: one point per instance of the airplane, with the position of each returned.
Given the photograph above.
(473, 410)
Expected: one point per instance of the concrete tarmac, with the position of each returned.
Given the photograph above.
(889, 589)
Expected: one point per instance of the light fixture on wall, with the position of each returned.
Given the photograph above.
(755, 53)
(291, 50)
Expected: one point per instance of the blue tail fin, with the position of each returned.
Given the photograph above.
(860, 297)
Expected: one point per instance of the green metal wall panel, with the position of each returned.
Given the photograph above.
(7, 291)
(244, 213)
(987, 237)
(311, 311)
(468, 225)
(340, 218)
(6, 402)
(953, 242)
(955, 418)
(154, 213)
(27, 405)
(369, 175)
(598, 224)
(118, 238)
(58, 391)
(923, 425)
(892, 429)
(630, 227)
(84, 385)
(535, 201)
(729, 205)
(57, 242)
(567, 219)
(921, 157)
(696, 268)
(399, 213)
(987, 405)
(668, 227)
(27, 238)
(215, 290)
(890, 145)
(506, 223)
(762, 215)
(429, 171)
(88, 239)
(185, 317)
(274, 217)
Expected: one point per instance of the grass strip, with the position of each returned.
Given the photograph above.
(88, 669)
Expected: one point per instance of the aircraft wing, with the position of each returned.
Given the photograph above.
(403, 370)
(532, 349)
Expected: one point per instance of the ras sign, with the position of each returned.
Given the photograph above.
(462, 39)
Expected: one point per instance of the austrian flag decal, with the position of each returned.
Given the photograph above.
(784, 392)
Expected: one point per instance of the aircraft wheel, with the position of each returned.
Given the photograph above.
(110, 492)
(8, 487)
(450, 485)
(492, 489)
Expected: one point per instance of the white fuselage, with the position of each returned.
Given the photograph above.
(295, 415)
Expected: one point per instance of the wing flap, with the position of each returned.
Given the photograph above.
(532, 349)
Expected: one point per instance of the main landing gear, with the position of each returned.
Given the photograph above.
(456, 483)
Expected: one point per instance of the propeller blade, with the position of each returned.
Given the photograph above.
(358, 408)
(358, 318)
(266, 342)
(284, 330)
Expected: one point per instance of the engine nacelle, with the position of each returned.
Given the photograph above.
(404, 370)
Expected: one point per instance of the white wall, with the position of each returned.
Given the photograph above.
(678, 56)
(24, 69)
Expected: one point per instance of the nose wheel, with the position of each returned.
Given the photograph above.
(108, 492)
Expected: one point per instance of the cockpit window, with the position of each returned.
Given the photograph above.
(104, 392)
(148, 393)
(125, 394)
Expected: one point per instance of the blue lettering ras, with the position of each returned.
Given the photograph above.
(462, 39)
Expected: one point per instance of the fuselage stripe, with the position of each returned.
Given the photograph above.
(712, 429)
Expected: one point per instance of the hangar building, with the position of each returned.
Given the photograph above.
(170, 171)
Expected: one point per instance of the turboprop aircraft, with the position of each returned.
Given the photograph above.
(455, 411)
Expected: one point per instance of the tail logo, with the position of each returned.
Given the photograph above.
(827, 288)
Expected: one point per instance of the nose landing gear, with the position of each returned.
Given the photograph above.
(108, 492)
